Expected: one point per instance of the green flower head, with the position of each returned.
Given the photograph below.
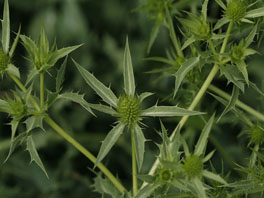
(127, 108)
(256, 134)
(236, 10)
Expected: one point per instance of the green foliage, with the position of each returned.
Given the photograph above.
(206, 146)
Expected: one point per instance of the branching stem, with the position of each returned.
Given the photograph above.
(71, 140)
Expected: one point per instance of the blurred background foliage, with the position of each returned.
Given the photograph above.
(102, 27)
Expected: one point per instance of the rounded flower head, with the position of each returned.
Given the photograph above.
(237, 53)
(256, 135)
(204, 31)
(4, 60)
(193, 166)
(165, 175)
(236, 10)
(129, 109)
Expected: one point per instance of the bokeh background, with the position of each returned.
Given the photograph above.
(102, 27)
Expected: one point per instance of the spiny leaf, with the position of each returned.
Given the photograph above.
(221, 22)
(184, 69)
(160, 59)
(199, 188)
(34, 122)
(139, 140)
(6, 28)
(251, 36)
(105, 93)
(221, 4)
(214, 177)
(233, 75)
(104, 109)
(163, 111)
(30, 45)
(5, 107)
(144, 95)
(58, 54)
(243, 69)
(109, 142)
(188, 42)
(14, 125)
(202, 142)
(147, 190)
(60, 75)
(34, 154)
(13, 70)
(77, 98)
(232, 102)
(259, 12)
(129, 81)
(105, 186)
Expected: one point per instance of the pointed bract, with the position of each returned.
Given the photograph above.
(129, 81)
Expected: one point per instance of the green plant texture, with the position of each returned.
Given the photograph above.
(136, 99)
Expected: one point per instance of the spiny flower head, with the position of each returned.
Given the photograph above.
(236, 10)
(129, 109)
(193, 166)
(256, 134)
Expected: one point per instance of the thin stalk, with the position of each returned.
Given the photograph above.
(41, 88)
(85, 152)
(240, 104)
(198, 97)
(69, 139)
(134, 164)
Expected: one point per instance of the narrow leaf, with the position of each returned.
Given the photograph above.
(77, 98)
(221, 4)
(221, 22)
(105, 93)
(17, 140)
(144, 95)
(160, 59)
(129, 81)
(139, 140)
(34, 154)
(251, 36)
(30, 45)
(184, 69)
(214, 177)
(5, 107)
(204, 9)
(233, 75)
(259, 12)
(202, 142)
(109, 142)
(153, 35)
(13, 70)
(243, 69)
(164, 111)
(254, 86)
(147, 190)
(14, 125)
(6, 28)
(232, 102)
(60, 75)
(12, 50)
(58, 54)
(199, 188)
(104, 109)
(188, 42)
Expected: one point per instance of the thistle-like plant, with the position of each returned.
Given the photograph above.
(127, 109)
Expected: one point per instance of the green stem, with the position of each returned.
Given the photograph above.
(240, 104)
(68, 138)
(42, 88)
(197, 98)
(85, 152)
(134, 164)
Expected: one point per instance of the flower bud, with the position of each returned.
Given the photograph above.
(193, 166)
(236, 10)
(256, 135)
(129, 109)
